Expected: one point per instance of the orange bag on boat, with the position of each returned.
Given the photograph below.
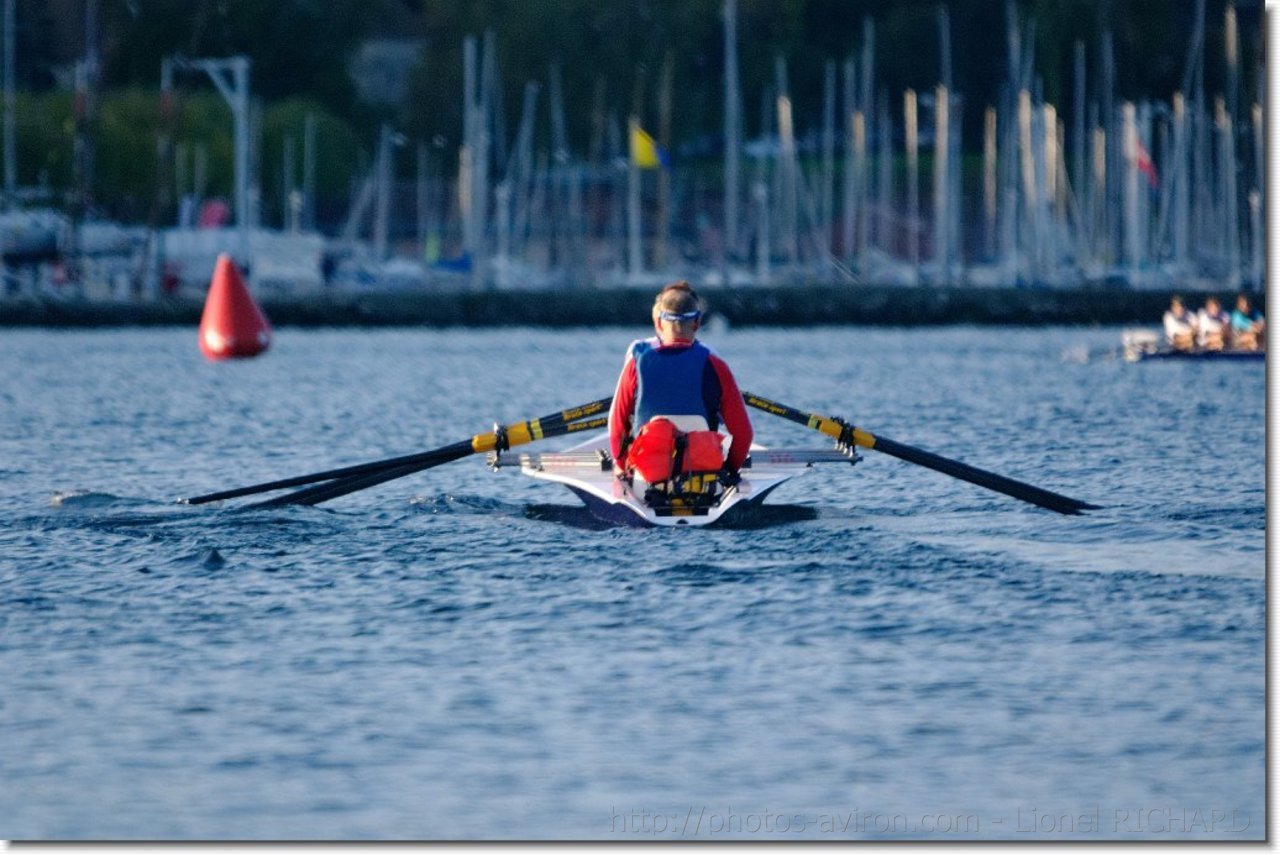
(702, 452)
(653, 454)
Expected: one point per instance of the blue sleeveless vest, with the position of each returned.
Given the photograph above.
(676, 381)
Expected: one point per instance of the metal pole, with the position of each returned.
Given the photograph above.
(309, 171)
(90, 95)
(523, 171)
(288, 194)
(1009, 219)
(989, 180)
(884, 237)
(1255, 198)
(1230, 203)
(1181, 201)
(760, 191)
(1130, 129)
(466, 157)
(1050, 161)
(382, 196)
(868, 71)
(1077, 143)
(787, 163)
(240, 66)
(941, 200)
(1027, 160)
(1099, 194)
(424, 200)
(1110, 201)
(635, 260)
(732, 127)
(913, 182)
(10, 143)
(480, 172)
(850, 208)
(664, 175)
(502, 198)
(1232, 39)
(860, 177)
(825, 197)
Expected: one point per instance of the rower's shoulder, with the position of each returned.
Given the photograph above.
(639, 347)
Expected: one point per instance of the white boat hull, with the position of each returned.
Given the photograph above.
(587, 470)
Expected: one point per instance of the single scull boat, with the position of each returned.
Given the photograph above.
(587, 470)
(701, 499)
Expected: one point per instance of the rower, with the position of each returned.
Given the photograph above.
(669, 380)
(1247, 325)
(1179, 325)
(1213, 326)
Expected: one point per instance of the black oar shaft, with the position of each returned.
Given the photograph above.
(341, 487)
(327, 475)
(999, 483)
(519, 432)
(841, 431)
(318, 493)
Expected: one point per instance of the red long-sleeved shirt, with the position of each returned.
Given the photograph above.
(733, 410)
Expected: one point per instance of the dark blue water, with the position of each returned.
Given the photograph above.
(458, 654)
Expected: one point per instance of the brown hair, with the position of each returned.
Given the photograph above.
(678, 297)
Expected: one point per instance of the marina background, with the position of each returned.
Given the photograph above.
(461, 147)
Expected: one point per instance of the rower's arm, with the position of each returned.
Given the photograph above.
(733, 410)
(623, 410)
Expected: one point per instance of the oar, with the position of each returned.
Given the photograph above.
(517, 434)
(534, 429)
(846, 433)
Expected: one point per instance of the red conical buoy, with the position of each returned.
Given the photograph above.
(232, 324)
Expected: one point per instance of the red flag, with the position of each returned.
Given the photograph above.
(1146, 167)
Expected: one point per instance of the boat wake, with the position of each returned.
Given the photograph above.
(90, 509)
(90, 500)
(448, 503)
(755, 516)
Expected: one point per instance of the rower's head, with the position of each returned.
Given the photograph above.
(1242, 303)
(1175, 304)
(1212, 306)
(677, 313)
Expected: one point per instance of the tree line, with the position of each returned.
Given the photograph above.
(608, 55)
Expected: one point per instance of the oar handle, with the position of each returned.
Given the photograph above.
(836, 428)
(520, 433)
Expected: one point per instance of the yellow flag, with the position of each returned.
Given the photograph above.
(645, 153)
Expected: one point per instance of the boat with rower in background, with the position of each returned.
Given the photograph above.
(1145, 345)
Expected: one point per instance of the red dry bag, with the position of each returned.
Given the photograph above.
(702, 452)
(653, 454)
